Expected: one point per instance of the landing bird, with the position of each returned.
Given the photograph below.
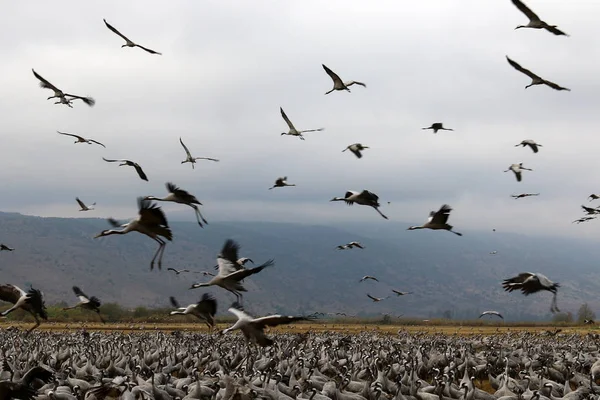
(62, 96)
(254, 328)
(230, 272)
(535, 80)
(520, 196)
(529, 283)
(531, 143)
(337, 82)
(593, 197)
(26, 387)
(178, 271)
(491, 313)
(32, 302)
(180, 196)
(352, 245)
(534, 21)
(204, 310)
(135, 165)
(438, 126)
(364, 198)
(293, 131)
(191, 159)
(517, 169)
(437, 220)
(150, 222)
(281, 182)
(83, 206)
(356, 149)
(4, 247)
(86, 302)
(376, 299)
(364, 278)
(81, 139)
(399, 293)
(129, 43)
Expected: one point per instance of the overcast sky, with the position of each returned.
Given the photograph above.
(227, 67)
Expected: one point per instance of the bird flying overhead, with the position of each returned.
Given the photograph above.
(191, 159)
(356, 149)
(129, 43)
(135, 165)
(531, 143)
(364, 278)
(376, 299)
(180, 196)
(399, 293)
(281, 182)
(64, 98)
(520, 196)
(517, 170)
(81, 139)
(534, 21)
(293, 131)
(535, 79)
(338, 84)
(83, 206)
(437, 126)
(491, 312)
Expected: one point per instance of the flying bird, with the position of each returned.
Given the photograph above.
(589, 321)
(135, 165)
(535, 80)
(491, 312)
(583, 219)
(4, 247)
(529, 283)
(178, 271)
(364, 198)
(83, 206)
(253, 328)
(180, 196)
(81, 139)
(293, 131)
(351, 245)
(86, 302)
(342, 247)
(517, 169)
(204, 310)
(356, 149)
(31, 301)
(493, 253)
(376, 299)
(437, 220)
(399, 293)
(590, 211)
(520, 196)
(129, 43)
(534, 21)
(62, 96)
(438, 126)
(364, 278)
(593, 197)
(531, 143)
(337, 82)
(151, 221)
(191, 159)
(281, 182)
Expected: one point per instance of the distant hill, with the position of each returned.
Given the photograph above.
(448, 274)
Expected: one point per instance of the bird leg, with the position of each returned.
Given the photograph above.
(13, 308)
(100, 316)
(37, 323)
(160, 247)
(198, 215)
(554, 306)
(380, 213)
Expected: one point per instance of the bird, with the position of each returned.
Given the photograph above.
(180, 196)
(438, 126)
(4, 247)
(281, 182)
(529, 283)
(230, 272)
(589, 321)
(531, 143)
(254, 328)
(520, 196)
(376, 299)
(437, 220)
(493, 253)
(491, 313)
(583, 219)
(81, 139)
(205, 273)
(293, 131)
(364, 278)
(337, 82)
(364, 198)
(205, 309)
(517, 169)
(191, 159)
(342, 247)
(62, 96)
(135, 165)
(177, 272)
(593, 197)
(352, 245)
(399, 293)
(534, 21)
(129, 43)
(356, 149)
(151, 221)
(26, 387)
(86, 302)
(83, 206)
(31, 301)
(535, 80)
(590, 211)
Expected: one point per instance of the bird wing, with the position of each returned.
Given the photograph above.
(185, 148)
(37, 373)
(87, 100)
(441, 217)
(11, 293)
(356, 152)
(287, 120)
(148, 50)
(35, 298)
(94, 141)
(331, 74)
(182, 194)
(80, 203)
(518, 67)
(151, 213)
(113, 222)
(555, 30)
(274, 320)
(371, 297)
(70, 134)
(82, 296)
(516, 282)
(240, 314)
(555, 86)
(369, 196)
(207, 304)
(227, 258)
(44, 83)
(350, 83)
(525, 10)
(243, 273)
(172, 269)
(140, 171)
(173, 300)
(112, 28)
(107, 160)
(357, 245)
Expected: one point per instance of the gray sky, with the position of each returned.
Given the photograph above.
(227, 67)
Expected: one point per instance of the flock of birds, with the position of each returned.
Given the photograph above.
(152, 222)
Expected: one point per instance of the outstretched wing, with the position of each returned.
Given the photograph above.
(174, 301)
(87, 100)
(182, 194)
(11, 293)
(79, 293)
(518, 67)
(112, 28)
(37, 372)
(525, 10)
(274, 320)
(151, 213)
(94, 141)
(148, 50)
(372, 298)
(80, 203)
(441, 217)
(107, 160)
(70, 134)
(244, 273)
(44, 83)
(227, 258)
(185, 148)
(331, 74)
(555, 86)
(140, 172)
(113, 222)
(207, 304)
(287, 120)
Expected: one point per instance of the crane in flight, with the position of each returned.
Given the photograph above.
(129, 43)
